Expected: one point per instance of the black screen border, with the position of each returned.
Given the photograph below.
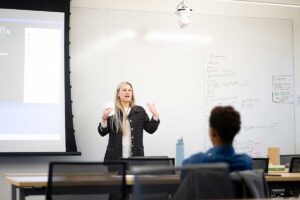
(52, 6)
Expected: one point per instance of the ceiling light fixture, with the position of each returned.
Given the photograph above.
(183, 13)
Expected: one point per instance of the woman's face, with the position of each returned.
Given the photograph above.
(125, 93)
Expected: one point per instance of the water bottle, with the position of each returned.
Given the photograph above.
(179, 151)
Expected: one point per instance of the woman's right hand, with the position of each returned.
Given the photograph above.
(106, 113)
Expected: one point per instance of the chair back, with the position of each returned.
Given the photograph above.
(295, 165)
(205, 181)
(250, 184)
(261, 163)
(86, 180)
(154, 182)
(148, 161)
(198, 182)
(286, 159)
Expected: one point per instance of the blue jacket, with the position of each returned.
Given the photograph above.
(225, 154)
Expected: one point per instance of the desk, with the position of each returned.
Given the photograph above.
(28, 184)
(285, 180)
(35, 184)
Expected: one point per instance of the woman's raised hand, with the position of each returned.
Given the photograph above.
(153, 110)
(106, 113)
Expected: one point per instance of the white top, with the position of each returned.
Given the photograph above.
(126, 138)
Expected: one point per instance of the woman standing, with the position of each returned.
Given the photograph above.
(125, 126)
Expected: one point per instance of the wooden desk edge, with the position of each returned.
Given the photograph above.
(15, 180)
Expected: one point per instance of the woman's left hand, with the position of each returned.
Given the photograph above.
(153, 110)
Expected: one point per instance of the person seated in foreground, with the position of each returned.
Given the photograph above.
(224, 124)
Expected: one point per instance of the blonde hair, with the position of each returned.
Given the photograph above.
(118, 122)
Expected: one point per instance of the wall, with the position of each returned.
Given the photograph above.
(89, 56)
(87, 80)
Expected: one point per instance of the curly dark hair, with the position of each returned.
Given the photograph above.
(226, 120)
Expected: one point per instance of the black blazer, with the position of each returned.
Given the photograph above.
(139, 121)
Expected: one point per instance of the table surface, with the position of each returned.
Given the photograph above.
(40, 180)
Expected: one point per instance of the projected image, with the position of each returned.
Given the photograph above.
(32, 76)
(42, 65)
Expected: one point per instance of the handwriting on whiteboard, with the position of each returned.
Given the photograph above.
(222, 84)
(272, 126)
(251, 147)
(283, 89)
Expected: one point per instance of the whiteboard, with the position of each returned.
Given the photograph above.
(249, 65)
(238, 61)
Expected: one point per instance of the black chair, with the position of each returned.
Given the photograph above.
(261, 163)
(286, 160)
(289, 161)
(86, 180)
(198, 182)
(294, 165)
(148, 161)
